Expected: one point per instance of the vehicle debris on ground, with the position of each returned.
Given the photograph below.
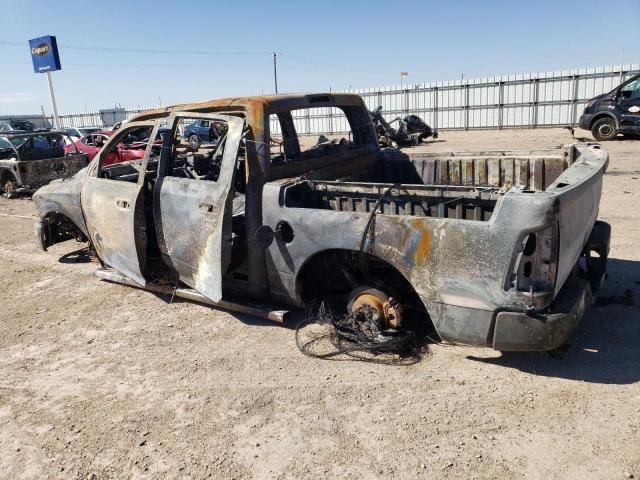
(411, 131)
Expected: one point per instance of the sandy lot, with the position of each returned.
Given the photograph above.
(103, 381)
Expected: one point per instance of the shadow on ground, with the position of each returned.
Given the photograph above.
(82, 255)
(605, 348)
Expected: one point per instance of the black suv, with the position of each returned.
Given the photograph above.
(615, 112)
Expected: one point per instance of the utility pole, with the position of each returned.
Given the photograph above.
(44, 116)
(275, 70)
(621, 65)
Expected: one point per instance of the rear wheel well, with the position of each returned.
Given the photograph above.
(333, 274)
(6, 175)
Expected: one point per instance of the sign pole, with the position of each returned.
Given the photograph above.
(56, 119)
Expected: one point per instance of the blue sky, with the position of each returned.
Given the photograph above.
(321, 45)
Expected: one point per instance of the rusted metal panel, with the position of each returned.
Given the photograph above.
(468, 171)
(442, 173)
(507, 167)
(455, 172)
(481, 175)
(522, 172)
(430, 168)
(33, 174)
(537, 173)
(553, 168)
(493, 172)
(36, 173)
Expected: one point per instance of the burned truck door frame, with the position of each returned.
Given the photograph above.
(114, 210)
(193, 216)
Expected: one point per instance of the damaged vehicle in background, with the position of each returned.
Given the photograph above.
(29, 160)
(130, 148)
(91, 144)
(411, 131)
(16, 126)
(499, 249)
(78, 132)
(203, 131)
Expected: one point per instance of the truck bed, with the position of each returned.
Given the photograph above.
(533, 170)
(460, 185)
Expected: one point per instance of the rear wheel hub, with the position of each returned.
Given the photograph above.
(387, 308)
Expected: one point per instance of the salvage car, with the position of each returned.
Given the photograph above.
(615, 112)
(16, 125)
(495, 248)
(29, 160)
(80, 132)
(129, 149)
(203, 131)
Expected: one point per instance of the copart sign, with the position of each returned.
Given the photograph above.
(44, 54)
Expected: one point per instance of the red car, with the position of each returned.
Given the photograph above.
(92, 143)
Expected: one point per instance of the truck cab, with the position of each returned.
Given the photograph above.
(615, 112)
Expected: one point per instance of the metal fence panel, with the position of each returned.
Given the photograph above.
(541, 99)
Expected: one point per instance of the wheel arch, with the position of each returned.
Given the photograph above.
(384, 276)
(58, 227)
(602, 115)
(320, 263)
(7, 174)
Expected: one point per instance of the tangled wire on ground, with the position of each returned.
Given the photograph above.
(360, 335)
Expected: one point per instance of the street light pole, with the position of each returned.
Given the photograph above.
(275, 70)
(402, 75)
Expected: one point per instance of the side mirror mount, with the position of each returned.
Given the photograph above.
(264, 236)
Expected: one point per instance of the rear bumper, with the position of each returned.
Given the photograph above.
(519, 331)
(543, 329)
(549, 330)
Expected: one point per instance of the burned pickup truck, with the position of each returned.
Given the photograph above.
(29, 160)
(500, 249)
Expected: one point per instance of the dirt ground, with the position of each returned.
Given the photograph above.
(103, 381)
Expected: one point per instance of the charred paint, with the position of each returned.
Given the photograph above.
(423, 242)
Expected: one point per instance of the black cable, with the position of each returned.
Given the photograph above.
(373, 214)
(359, 335)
